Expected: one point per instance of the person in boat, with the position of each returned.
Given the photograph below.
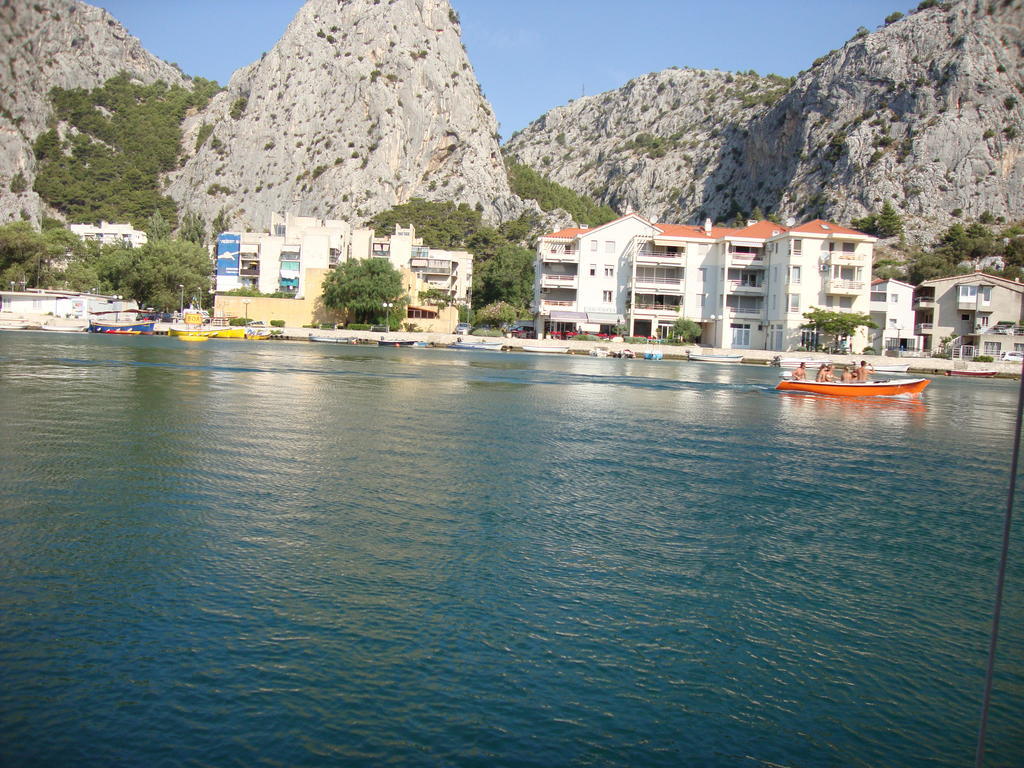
(800, 373)
(847, 376)
(864, 371)
(824, 373)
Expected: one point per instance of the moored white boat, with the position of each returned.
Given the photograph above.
(704, 357)
(892, 368)
(539, 348)
(599, 352)
(794, 362)
(487, 346)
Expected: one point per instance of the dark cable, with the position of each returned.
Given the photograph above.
(979, 755)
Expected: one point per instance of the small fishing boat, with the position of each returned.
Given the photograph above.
(116, 325)
(396, 343)
(549, 350)
(335, 339)
(978, 374)
(599, 352)
(192, 337)
(12, 325)
(892, 368)
(654, 355)
(487, 346)
(855, 389)
(709, 358)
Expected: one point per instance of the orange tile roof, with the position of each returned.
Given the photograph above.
(567, 234)
(763, 229)
(820, 226)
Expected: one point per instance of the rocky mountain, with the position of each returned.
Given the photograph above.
(927, 112)
(361, 105)
(55, 43)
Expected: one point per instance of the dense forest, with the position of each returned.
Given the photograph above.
(114, 143)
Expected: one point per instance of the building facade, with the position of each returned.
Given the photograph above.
(892, 310)
(975, 314)
(106, 233)
(747, 287)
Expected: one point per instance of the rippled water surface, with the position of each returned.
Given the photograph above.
(298, 554)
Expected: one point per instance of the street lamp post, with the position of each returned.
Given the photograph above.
(387, 308)
(181, 300)
(245, 303)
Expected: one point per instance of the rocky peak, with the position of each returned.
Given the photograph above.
(56, 43)
(362, 104)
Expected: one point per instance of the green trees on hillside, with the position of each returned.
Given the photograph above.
(529, 184)
(126, 135)
(886, 223)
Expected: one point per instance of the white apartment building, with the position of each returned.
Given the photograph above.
(892, 310)
(747, 287)
(106, 233)
(449, 271)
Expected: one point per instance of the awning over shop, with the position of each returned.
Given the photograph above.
(568, 317)
(603, 318)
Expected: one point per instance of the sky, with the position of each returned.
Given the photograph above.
(533, 55)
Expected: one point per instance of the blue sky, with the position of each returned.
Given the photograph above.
(532, 55)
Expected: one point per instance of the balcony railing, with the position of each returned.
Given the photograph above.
(746, 257)
(739, 285)
(850, 258)
(249, 272)
(434, 266)
(648, 255)
(923, 328)
(844, 286)
(673, 309)
(924, 301)
(672, 281)
(556, 303)
(745, 311)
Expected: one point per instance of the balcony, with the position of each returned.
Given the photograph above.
(656, 310)
(845, 287)
(254, 272)
(922, 329)
(846, 257)
(558, 281)
(744, 311)
(659, 284)
(660, 257)
(746, 258)
(559, 254)
(432, 266)
(556, 304)
(924, 302)
(738, 286)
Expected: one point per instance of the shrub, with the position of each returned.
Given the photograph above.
(984, 359)
(238, 107)
(358, 326)
(486, 332)
(585, 337)
(868, 351)
(411, 327)
(634, 339)
(237, 321)
(277, 323)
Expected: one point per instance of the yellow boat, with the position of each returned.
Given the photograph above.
(196, 324)
(192, 337)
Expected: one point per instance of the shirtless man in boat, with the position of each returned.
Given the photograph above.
(847, 376)
(800, 374)
(863, 372)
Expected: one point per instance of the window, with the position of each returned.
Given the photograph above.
(794, 302)
(1018, 347)
(794, 275)
(593, 246)
(985, 294)
(983, 321)
(609, 246)
(703, 274)
(593, 270)
(892, 322)
(993, 347)
(797, 245)
(894, 298)
(606, 297)
(968, 292)
(609, 271)
(876, 296)
(849, 247)
(702, 299)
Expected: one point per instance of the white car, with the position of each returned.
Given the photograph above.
(1011, 357)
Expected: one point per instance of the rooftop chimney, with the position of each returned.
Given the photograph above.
(707, 226)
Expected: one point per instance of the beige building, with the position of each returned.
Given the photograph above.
(106, 233)
(975, 314)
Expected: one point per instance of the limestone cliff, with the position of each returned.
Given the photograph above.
(55, 43)
(361, 105)
(927, 112)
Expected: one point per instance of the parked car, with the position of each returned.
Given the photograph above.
(521, 331)
(463, 328)
(1011, 357)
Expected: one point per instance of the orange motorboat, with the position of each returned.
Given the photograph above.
(856, 388)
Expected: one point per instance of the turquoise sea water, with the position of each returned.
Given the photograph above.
(297, 554)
